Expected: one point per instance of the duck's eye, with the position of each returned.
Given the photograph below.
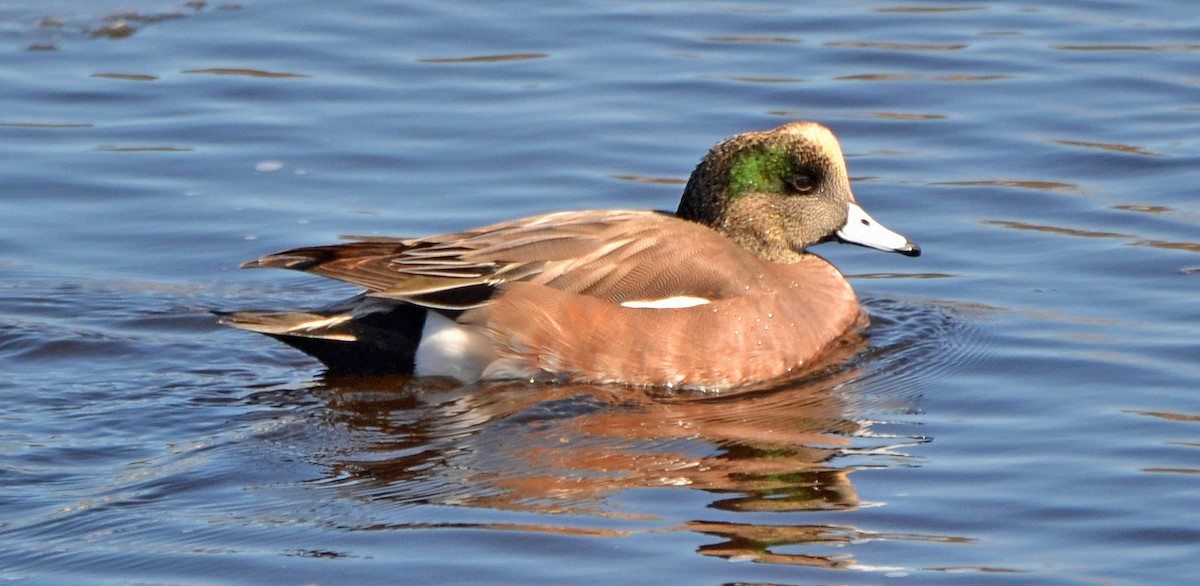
(802, 183)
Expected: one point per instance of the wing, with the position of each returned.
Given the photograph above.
(616, 255)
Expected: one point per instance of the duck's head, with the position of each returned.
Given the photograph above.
(778, 192)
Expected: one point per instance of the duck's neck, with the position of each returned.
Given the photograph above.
(756, 223)
(701, 201)
(752, 221)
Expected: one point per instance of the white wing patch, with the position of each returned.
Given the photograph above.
(677, 302)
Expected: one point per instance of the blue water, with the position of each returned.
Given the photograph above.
(1025, 409)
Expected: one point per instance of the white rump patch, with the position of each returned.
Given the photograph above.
(450, 349)
(677, 302)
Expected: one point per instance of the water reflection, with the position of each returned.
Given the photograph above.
(751, 79)
(1105, 146)
(954, 78)
(570, 449)
(926, 9)
(907, 116)
(1136, 48)
(737, 39)
(905, 47)
(651, 180)
(47, 125)
(762, 543)
(126, 76)
(1017, 183)
(1079, 233)
(246, 72)
(565, 448)
(107, 19)
(485, 58)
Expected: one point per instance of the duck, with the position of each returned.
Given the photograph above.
(721, 293)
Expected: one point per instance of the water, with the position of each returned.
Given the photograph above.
(1023, 411)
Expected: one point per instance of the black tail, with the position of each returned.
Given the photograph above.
(363, 335)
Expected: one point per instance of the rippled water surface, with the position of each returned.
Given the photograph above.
(1025, 408)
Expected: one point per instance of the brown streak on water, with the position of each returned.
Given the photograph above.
(485, 58)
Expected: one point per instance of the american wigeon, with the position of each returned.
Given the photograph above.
(721, 293)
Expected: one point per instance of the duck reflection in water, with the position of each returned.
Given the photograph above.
(569, 448)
